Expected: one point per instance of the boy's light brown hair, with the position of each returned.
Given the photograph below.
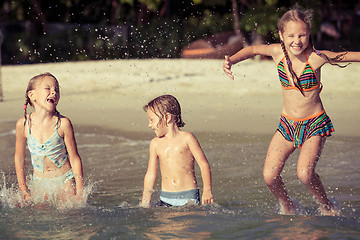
(166, 104)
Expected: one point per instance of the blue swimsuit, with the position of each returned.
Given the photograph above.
(54, 148)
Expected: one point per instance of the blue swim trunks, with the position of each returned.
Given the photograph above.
(178, 199)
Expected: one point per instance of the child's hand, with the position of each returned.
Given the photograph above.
(25, 200)
(207, 197)
(26, 197)
(79, 197)
(227, 67)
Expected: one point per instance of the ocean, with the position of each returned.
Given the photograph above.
(115, 163)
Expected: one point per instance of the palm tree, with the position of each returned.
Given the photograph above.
(235, 11)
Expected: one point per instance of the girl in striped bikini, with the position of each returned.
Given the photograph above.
(303, 123)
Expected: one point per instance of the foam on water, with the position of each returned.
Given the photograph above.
(10, 197)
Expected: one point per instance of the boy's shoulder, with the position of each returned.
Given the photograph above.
(182, 135)
(187, 134)
(155, 142)
(187, 137)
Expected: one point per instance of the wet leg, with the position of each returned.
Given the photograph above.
(279, 151)
(68, 192)
(308, 158)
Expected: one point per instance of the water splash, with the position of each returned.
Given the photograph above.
(298, 211)
(336, 211)
(10, 197)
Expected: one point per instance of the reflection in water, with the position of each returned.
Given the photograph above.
(295, 228)
(115, 162)
(176, 223)
(47, 223)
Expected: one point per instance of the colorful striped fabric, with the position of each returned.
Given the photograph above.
(299, 130)
(307, 80)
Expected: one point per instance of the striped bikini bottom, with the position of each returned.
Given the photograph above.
(299, 130)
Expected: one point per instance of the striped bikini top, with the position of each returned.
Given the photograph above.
(307, 79)
(54, 148)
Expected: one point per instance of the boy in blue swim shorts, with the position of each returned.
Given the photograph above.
(175, 151)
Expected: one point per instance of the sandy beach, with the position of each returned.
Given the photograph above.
(111, 94)
(233, 120)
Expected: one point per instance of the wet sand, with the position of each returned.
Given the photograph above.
(111, 94)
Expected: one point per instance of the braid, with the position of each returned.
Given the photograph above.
(27, 101)
(293, 74)
(333, 60)
(57, 113)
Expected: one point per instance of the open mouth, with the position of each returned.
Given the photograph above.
(51, 100)
(296, 47)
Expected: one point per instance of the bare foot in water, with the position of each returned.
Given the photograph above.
(288, 209)
(329, 210)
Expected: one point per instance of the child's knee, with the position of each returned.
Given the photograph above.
(269, 177)
(305, 176)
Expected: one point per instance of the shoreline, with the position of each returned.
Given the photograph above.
(111, 94)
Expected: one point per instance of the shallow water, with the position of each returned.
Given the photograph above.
(115, 163)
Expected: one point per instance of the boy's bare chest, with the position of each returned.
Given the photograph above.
(172, 151)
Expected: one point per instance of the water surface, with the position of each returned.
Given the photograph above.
(115, 163)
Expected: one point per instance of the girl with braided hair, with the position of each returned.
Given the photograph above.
(304, 123)
(49, 136)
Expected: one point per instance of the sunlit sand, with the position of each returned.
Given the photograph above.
(111, 94)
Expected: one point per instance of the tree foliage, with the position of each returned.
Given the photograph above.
(63, 30)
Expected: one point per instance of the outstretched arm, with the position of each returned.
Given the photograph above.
(347, 56)
(197, 152)
(150, 176)
(74, 157)
(19, 159)
(249, 52)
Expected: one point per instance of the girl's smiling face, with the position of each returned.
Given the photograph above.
(295, 37)
(46, 93)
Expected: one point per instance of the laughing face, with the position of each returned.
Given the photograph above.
(295, 37)
(46, 93)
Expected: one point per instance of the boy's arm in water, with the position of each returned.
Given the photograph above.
(19, 159)
(74, 157)
(197, 152)
(150, 176)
